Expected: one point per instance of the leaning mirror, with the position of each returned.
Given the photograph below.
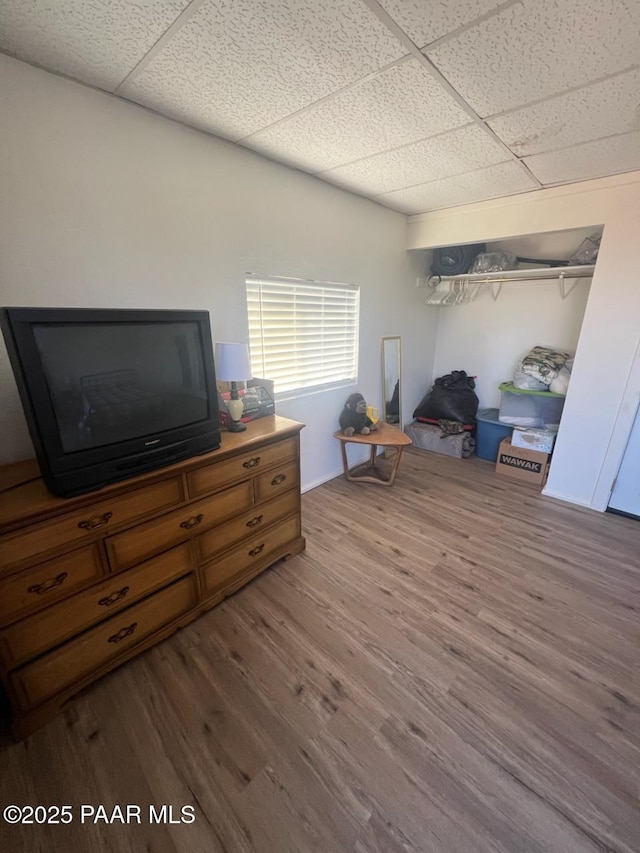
(391, 398)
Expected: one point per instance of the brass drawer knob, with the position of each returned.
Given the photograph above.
(115, 596)
(255, 521)
(279, 478)
(123, 633)
(257, 550)
(46, 586)
(95, 521)
(192, 522)
(251, 463)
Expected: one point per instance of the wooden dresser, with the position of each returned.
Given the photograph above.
(88, 582)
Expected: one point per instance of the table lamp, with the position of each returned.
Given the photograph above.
(233, 365)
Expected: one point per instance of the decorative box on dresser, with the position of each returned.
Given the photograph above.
(88, 582)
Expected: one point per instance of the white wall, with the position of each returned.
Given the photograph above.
(105, 204)
(605, 386)
(488, 338)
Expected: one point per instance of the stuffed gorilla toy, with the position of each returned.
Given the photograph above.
(354, 418)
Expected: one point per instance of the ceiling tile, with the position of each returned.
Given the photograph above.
(97, 41)
(602, 109)
(503, 179)
(451, 153)
(236, 67)
(589, 160)
(540, 48)
(426, 22)
(398, 106)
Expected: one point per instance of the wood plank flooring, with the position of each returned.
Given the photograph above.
(451, 666)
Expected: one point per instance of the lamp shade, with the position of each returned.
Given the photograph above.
(232, 362)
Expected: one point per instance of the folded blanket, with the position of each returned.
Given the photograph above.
(544, 364)
(560, 384)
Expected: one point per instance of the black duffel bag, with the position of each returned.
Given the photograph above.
(451, 398)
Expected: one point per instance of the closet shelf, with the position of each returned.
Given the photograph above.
(462, 289)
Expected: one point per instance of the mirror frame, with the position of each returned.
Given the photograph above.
(387, 341)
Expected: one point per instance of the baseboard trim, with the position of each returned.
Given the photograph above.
(548, 493)
(321, 481)
(623, 513)
(353, 461)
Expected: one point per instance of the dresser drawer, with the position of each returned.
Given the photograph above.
(48, 582)
(222, 572)
(73, 527)
(35, 634)
(240, 467)
(80, 657)
(279, 480)
(127, 548)
(220, 538)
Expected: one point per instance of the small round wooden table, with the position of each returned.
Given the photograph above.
(368, 472)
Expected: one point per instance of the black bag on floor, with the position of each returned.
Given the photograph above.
(451, 398)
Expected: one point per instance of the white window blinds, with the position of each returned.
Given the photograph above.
(303, 334)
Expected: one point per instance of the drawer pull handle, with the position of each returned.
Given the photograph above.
(255, 521)
(257, 550)
(95, 522)
(280, 478)
(251, 463)
(115, 596)
(123, 633)
(192, 522)
(46, 586)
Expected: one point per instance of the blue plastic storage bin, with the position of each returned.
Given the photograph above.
(490, 433)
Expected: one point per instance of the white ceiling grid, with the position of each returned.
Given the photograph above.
(240, 65)
(418, 104)
(425, 22)
(539, 48)
(591, 112)
(449, 154)
(494, 181)
(396, 107)
(582, 161)
(94, 41)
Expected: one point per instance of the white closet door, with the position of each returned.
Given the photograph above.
(626, 492)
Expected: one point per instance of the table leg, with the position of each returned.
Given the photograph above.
(396, 465)
(376, 475)
(372, 457)
(345, 461)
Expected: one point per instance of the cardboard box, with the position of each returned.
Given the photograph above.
(257, 397)
(528, 466)
(534, 439)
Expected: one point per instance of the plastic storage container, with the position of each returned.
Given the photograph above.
(489, 434)
(428, 437)
(530, 408)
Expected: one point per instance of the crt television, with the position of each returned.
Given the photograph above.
(111, 393)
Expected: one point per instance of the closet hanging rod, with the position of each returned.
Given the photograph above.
(548, 273)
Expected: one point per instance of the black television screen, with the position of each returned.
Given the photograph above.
(133, 379)
(110, 393)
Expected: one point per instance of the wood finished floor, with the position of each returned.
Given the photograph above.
(451, 666)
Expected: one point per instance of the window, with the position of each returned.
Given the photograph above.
(303, 334)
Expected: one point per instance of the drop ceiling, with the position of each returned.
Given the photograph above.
(417, 104)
